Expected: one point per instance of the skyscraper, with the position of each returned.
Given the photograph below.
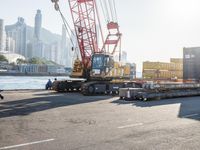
(17, 32)
(1, 34)
(64, 53)
(38, 24)
(38, 45)
(124, 56)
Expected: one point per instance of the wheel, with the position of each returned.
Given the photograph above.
(91, 89)
(61, 87)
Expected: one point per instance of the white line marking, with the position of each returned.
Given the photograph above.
(25, 144)
(131, 125)
(191, 115)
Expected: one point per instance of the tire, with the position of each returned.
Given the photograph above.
(91, 89)
(61, 87)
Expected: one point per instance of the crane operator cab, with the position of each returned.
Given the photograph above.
(101, 66)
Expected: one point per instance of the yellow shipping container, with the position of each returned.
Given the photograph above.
(164, 74)
(163, 70)
(127, 69)
(120, 70)
(177, 74)
(149, 73)
(176, 60)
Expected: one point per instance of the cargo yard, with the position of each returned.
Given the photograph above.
(100, 103)
(47, 120)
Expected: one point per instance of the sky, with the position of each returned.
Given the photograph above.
(152, 30)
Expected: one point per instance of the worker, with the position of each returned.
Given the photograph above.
(1, 96)
(48, 85)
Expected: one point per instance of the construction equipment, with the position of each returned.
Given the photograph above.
(97, 65)
(160, 91)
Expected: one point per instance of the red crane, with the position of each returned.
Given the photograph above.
(85, 18)
(97, 62)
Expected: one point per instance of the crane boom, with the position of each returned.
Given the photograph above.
(83, 15)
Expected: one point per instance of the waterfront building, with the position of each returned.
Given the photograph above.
(17, 32)
(12, 57)
(42, 69)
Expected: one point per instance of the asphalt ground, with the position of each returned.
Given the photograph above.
(45, 120)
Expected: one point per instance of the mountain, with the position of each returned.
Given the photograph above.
(46, 36)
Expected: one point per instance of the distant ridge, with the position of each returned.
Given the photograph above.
(47, 36)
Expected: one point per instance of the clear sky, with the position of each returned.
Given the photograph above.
(153, 30)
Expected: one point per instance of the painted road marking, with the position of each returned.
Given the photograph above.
(191, 115)
(25, 144)
(131, 125)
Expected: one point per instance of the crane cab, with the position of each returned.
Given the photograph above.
(101, 65)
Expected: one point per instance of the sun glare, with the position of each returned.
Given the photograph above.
(184, 8)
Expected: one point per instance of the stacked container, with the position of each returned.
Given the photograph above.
(163, 70)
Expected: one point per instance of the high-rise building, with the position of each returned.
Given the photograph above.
(66, 50)
(1, 34)
(64, 55)
(10, 45)
(17, 32)
(124, 56)
(38, 45)
(38, 24)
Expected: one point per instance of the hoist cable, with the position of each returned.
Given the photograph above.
(106, 8)
(104, 14)
(111, 10)
(115, 10)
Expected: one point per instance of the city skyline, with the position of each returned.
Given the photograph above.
(152, 30)
(34, 41)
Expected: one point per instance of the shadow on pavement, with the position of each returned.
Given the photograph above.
(44, 102)
(189, 106)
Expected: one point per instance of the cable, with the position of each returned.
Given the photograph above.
(106, 20)
(106, 7)
(115, 11)
(111, 10)
(65, 25)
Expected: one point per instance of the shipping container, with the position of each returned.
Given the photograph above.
(176, 60)
(163, 70)
(191, 63)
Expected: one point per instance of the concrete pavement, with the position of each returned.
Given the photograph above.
(46, 120)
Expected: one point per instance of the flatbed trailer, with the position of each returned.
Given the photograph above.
(160, 91)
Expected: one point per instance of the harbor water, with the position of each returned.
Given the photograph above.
(26, 82)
